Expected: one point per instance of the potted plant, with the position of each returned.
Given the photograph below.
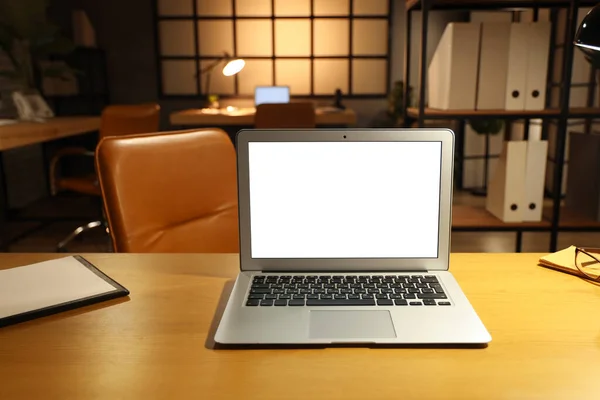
(487, 127)
(28, 38)
(396, 106)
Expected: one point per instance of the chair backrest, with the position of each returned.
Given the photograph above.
(126, 119)
(170, 192)
(285, 115)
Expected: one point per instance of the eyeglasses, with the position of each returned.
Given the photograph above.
(587, 261)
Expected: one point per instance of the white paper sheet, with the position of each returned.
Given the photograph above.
(47, 283)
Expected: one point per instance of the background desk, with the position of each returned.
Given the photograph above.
(196, 117)
(544, 324)
(25, 133)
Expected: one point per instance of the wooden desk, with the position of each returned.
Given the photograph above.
(199, 118)
(26, 133)
(544, 324)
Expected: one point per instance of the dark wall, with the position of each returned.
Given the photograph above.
(125, 30)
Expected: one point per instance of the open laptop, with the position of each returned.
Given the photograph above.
(271, 95)
(345, 238)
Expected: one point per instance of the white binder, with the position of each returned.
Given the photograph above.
(537, 65)
(505, 191)
(493, 65)
(516, 80)
(535, 173)
(452, 73)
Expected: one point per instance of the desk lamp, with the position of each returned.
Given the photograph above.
(587, 38)
(232, 67)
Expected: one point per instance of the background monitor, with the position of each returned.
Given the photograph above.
(271, 94)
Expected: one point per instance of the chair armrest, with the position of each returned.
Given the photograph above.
(61, 153)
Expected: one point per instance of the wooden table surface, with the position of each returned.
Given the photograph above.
(544, 324)
(26, 133)
(200, 118)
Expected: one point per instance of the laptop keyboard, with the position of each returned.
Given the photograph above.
(350, 290)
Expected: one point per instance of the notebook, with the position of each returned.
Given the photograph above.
(53, 286)
(564, 260)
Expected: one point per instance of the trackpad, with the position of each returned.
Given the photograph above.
(341, 325)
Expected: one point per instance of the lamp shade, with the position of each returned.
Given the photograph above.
(233, 67)
(587, 38)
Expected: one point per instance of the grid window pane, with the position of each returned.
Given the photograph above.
(219, 83)
(369, 37)
(175, 7)
(253, 8)
(256, 73)
(370, 7)
(332, 37)
(292, 8)
(292, 37)
(331, 7)
(176, 38)
(295, 74)
(369, 76)
(221, 8)
(215, 37)
(254, 37)
(178, 77)
(331, 75)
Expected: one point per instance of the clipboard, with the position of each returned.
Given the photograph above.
(51, 287)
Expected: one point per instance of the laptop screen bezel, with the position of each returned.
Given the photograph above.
(441, 263)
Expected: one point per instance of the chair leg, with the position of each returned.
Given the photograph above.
(94, 224)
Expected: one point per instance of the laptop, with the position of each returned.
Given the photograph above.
(345, 239)
(271, 95)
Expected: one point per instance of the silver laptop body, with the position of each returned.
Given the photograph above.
(345, 238)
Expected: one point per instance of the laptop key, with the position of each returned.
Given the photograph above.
(312, 296)
(429, 302)
(348, 302)
(270, 297)
(427, 290)
(260, 291)
(430, 279)
(326, 297)
(444, 303)
(409, 296)
(298, 297)
(385, 303)
(401, 302)
(256, 296)
(252, 302)
(381, 296)
(354, 296)
(296, 302)
(266, 302)
(280, 303)
(339, 296)
(431, 296)
(260, 286)
(285, 296)
(416, 303)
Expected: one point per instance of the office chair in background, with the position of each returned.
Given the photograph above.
(285, 115)
(116, 120)
(185, 201)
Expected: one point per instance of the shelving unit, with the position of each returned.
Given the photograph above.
(555, 218)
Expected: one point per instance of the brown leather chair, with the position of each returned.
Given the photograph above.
(115, 120)
(170, 192)
(286, 115)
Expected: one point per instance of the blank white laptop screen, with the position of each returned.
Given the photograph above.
(271, 94)
(344, 199)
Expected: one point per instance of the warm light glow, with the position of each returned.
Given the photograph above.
(233, 67)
